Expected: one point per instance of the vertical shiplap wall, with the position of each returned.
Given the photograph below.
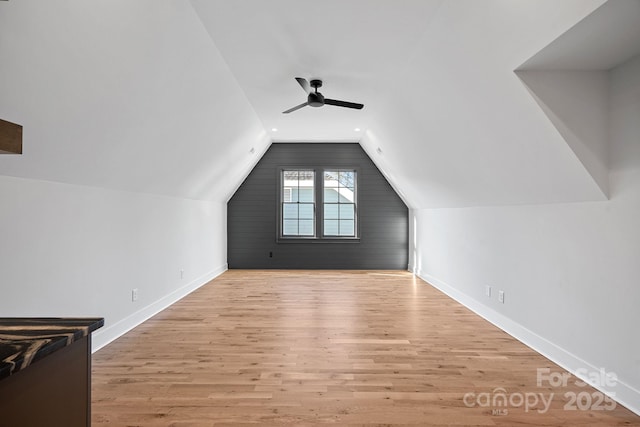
(252, 215)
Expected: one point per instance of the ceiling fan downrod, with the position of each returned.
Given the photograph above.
(315, 99)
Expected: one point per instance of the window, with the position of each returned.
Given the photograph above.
(339, 203)
(286, 196)
(335, 190)
(298, 203)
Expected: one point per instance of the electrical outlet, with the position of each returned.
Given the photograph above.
(487, 291)
(134, 294)
(181, 274)
(501, 296)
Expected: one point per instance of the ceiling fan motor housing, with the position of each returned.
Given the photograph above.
(315, 99)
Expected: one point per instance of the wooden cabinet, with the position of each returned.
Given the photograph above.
(52, 389)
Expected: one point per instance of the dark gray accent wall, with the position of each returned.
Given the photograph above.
(253, 215)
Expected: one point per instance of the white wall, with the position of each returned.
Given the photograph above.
(577, 103)
(570, 272)
(69, 250)
(135, 135)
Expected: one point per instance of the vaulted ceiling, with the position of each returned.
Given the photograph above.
(464, 103)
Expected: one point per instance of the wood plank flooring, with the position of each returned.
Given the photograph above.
(328, 347)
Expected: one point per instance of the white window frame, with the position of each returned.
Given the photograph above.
(345, 194)
(285, 195)
(284, 202)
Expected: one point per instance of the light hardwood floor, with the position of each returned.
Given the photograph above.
(327, 347)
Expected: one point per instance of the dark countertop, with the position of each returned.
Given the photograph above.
(26, 340)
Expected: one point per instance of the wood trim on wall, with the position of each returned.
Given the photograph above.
(10, 138)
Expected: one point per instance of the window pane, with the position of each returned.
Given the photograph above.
(331, 211)
(289, 194)
(298, 197)
(290, 227)
(330, 195)
(346, 211)
(331, 178)
(339, 202)
(290, 211)
(305, 210)
(347, 195)
(330, 227)
(306, 227)
(347, 227)
(290, 175)
(305, 193)
(347, 179)
(286, 195)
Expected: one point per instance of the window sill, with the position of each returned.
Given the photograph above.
(314, 240)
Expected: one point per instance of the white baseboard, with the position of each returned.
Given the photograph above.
(104, 336)
(622, 393)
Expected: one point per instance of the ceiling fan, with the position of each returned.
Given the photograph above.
(316, 99)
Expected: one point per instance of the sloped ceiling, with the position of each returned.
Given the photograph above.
(570, 80)
(129, 95)
(171, 96)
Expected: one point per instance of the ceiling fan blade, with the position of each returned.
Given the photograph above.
(343, 104)
(305, 84)
(297, 107)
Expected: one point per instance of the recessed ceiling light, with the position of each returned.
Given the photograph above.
(274, 129)
(357, 129)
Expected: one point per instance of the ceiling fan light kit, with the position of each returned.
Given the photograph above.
(316, 99)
